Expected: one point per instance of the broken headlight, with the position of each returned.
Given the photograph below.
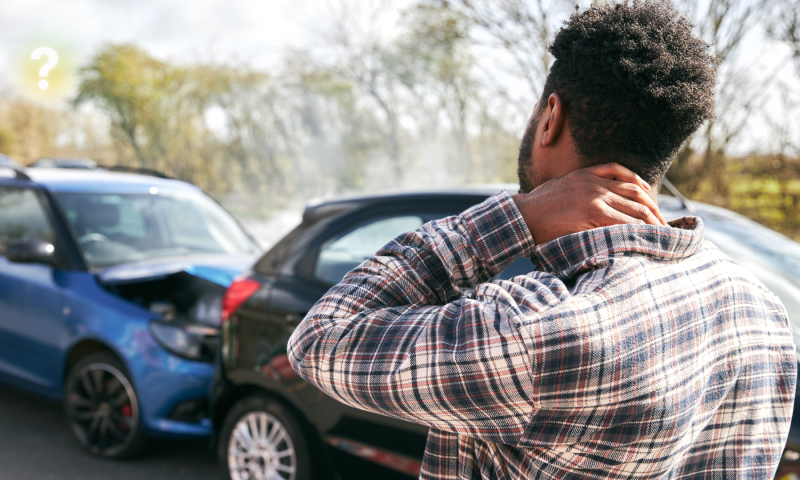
(189, 340)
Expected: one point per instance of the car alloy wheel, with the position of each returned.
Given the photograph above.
(102, 408)
(260, 447)
(262, 440)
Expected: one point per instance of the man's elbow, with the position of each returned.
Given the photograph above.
(295, 352)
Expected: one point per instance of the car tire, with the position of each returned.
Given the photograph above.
(102, 408)
(280, 451)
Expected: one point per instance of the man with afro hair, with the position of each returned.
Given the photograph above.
(635, 349)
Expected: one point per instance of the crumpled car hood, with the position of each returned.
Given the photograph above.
(219, 269)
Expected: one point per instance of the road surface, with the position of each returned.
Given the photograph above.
(36, 444)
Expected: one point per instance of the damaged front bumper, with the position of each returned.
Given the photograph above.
(184, 295)
(173, 373)
(173, 393)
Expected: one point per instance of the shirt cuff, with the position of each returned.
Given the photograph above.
(499, 232)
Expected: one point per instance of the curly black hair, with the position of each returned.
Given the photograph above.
(635, 83)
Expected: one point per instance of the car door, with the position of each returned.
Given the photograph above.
(363, 444)
(31, 299)
(377, 442)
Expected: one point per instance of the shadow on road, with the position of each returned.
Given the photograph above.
(36, 444)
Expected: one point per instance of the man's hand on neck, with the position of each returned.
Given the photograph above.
(593, 197)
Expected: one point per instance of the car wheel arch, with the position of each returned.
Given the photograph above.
(237, 392)
(225, 402)
(89, 346)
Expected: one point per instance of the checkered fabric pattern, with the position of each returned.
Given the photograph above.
(630, 352)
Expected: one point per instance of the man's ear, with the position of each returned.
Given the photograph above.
(552, 120)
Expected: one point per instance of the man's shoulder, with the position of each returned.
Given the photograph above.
(718, 277)
(706, 274)
(728, 269)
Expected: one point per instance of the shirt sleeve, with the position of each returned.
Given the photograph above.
(398, 337)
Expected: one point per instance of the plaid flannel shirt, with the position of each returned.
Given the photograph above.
(630, 352)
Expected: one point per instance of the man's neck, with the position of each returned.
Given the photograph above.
(653, 193)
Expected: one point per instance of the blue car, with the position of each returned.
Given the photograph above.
(110, 295)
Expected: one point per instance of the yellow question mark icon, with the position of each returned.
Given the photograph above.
(52, 60)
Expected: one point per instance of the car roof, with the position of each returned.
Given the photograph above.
(84, 163)
(467, 193)
(100, 181)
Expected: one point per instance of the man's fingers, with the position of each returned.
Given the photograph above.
(616, 171)
(613, 217)
(632, 209)
(633, 192)
(625, 183)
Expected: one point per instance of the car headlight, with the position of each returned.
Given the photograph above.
(189, 340)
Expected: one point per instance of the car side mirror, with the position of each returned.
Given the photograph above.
(31, 251)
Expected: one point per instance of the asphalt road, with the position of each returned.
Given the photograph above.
(36, 444)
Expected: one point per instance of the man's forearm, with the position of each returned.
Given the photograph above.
(433, 264)
(384, 339)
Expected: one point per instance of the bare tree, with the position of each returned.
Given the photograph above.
(434, 63)
(786, 29)
(357, 31)
(726, 25)
(514, 36)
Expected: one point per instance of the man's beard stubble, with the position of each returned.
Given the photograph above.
(525, 166)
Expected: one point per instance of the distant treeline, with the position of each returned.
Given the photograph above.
(765, 188)
(437, 95)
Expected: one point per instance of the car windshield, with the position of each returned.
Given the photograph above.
(118, 228)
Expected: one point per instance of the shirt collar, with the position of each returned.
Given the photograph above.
(573, 254)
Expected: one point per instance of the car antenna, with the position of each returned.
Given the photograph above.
(687, 204)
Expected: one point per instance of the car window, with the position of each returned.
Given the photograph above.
(344, 252)
(22, 217)
(117, 228)
(340, 254)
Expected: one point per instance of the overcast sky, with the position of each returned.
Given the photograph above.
(241, 31)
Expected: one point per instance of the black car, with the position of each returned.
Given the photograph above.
(272, 424)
